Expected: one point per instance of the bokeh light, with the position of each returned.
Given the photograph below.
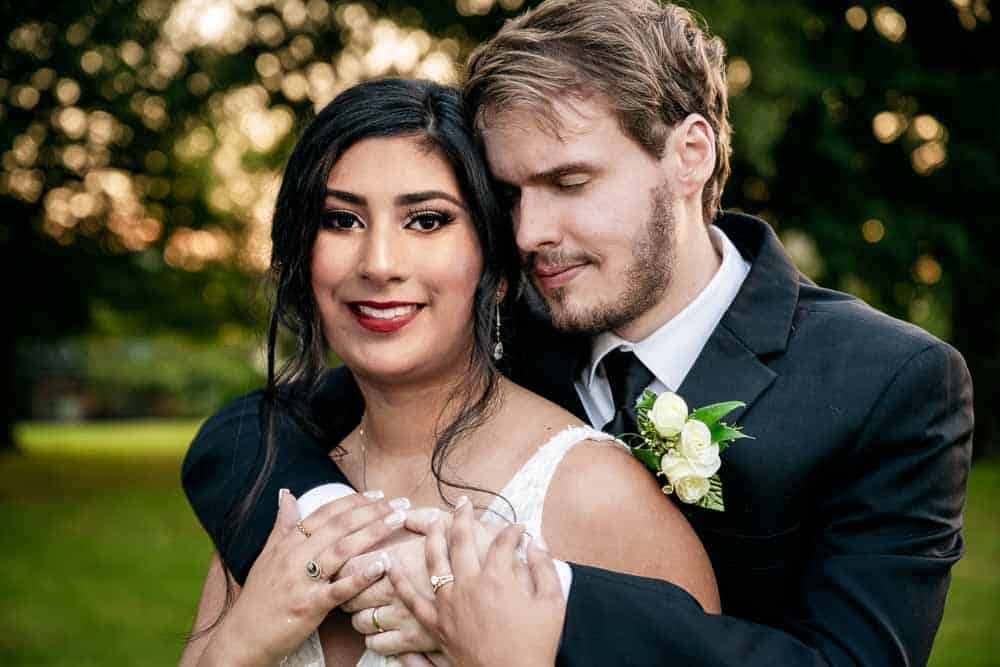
(889, 23)
(873, 230)
(927, 270)
(738, 75)
(856, 17)
(888, 126)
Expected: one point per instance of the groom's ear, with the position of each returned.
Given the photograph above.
(689, 155)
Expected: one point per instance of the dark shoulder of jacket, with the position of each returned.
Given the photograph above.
(848, 319)
(325, 413)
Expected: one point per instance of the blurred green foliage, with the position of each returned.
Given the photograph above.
(165, 374)
(141, 143)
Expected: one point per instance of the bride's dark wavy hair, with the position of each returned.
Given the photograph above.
(439, 117)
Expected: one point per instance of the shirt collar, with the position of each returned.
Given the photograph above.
(670, 351)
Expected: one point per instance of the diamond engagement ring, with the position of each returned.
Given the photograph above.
(314, 570)
(438, 581)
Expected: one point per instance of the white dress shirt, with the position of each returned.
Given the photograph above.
(670, 351)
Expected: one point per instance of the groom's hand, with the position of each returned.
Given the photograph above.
(406, 552)
(401, 633)
(489, 599)
(397, 632)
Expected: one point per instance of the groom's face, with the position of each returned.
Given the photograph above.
(593, 215)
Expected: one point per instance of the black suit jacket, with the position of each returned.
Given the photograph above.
(842, 515)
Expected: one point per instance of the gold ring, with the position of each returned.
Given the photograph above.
(302, 529)
(438, 581)
(378, 626)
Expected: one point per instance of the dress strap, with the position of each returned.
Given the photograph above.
(527, 489)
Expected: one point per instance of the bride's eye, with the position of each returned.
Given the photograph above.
(341, 220)
(428, 221)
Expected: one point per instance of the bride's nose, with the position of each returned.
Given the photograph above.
(383, 255)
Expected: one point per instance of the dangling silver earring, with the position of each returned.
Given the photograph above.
(498, 348)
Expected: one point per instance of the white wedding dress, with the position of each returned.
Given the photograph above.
(526, 491)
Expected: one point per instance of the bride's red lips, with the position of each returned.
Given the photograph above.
(384, 304)
(373, 315)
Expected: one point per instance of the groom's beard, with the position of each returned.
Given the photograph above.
(641, 287)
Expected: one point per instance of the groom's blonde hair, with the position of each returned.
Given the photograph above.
(653, 63)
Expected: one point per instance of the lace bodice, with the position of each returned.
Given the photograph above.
(526, 491)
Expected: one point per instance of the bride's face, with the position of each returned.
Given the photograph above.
(396, 262)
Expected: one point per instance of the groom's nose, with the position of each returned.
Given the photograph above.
(536, 222)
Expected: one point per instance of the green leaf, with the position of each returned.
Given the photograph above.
(713, 499)
(645, 402)
(710, 414)
(722, 432)
(649, 458)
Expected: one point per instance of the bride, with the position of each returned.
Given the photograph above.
(392, 251)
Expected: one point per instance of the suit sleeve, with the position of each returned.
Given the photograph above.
(224, 460)
(873, 590)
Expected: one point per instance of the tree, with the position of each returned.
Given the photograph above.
(142, 140)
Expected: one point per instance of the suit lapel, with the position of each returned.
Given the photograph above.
(757, 324)
(726, 370)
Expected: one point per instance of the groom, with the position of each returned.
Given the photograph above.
(607, 121)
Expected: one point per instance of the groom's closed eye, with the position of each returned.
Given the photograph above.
(572, 182)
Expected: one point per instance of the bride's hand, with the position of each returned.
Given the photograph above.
(289, 590)
(399, 633)
(489, 600)
(397, 630)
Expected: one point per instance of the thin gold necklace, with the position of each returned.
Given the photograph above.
(364, 460)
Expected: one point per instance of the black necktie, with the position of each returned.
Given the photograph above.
(628, 377)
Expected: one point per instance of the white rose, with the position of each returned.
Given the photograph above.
(697, 447)
(689, 486)
(668, 414)
(691, 489)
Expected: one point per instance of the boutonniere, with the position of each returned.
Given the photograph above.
(685, 447)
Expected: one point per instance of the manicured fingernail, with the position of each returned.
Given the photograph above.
(386, 562)
(374, 495)
(397, 518)
(375, 568)
(281, 494)
(540, 543)
(461, 501)
(435, 515)
(400, 503)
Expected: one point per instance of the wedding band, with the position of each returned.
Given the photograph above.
(378, 626)
(438, 581)
(302, 529)
(314, 570)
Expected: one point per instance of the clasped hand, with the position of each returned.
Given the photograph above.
(495, 594)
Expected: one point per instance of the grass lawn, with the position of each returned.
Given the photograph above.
(101, 560)
(969, 634)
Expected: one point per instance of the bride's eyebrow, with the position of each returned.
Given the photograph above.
(347, 196)
(428, 195)
(402, 200)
